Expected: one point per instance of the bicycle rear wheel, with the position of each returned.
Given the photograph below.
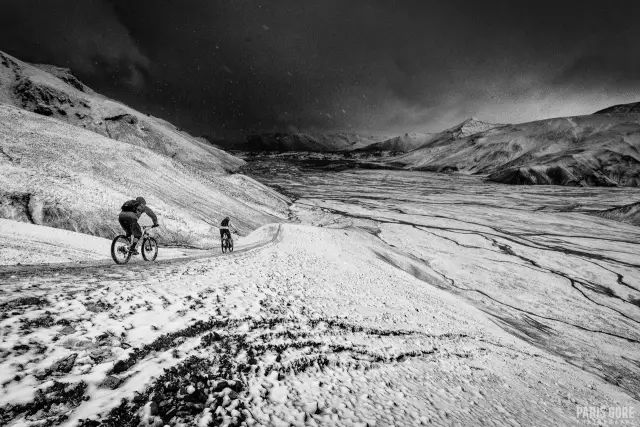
(120, 249)
(223, 245)
(149, 249)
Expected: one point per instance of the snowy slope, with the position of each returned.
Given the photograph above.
(310, 326)
(56, 174)
(597, 149)
(55, 92)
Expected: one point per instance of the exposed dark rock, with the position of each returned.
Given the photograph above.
(23, 302)
(98, 307)
(128, 118)
(53, 403)
(41, 99)
(63, 74)
(550, 175)
(632, 108)
(112, 382)
(628, 213)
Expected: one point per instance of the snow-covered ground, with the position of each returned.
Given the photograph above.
(307, 326)
(24, 244)
(400, 299)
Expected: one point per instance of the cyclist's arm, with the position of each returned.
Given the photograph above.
(151, 214)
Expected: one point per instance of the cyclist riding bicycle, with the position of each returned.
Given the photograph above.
(225, 227)
(128, 219)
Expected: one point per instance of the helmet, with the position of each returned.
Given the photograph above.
(141, 200)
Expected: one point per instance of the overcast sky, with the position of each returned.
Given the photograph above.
(379, 67)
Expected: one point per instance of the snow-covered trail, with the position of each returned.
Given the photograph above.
(311, 326)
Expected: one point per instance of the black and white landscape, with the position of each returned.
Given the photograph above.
(438, 224)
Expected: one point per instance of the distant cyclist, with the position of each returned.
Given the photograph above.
(225, 227)
(131, 211)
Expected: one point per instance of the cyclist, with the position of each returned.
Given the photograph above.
(225, 226)
(128, 219)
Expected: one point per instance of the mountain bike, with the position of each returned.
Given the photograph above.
(227, 244)
(120, 247)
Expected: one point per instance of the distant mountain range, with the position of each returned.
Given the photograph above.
(599, 149)
(313, 142)
(349, 141)
(413, 141)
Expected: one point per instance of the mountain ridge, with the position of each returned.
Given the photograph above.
(597, 149)
(413, 140)
(631, 108)
(301, 141)
(54, 92)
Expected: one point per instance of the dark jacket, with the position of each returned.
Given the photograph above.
(139, 209)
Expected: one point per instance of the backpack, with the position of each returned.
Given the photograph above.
(129, 206)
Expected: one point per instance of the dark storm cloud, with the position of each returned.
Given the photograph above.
(86, 36)
(382, 66)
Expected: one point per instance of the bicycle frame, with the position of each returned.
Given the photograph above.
(145, 232)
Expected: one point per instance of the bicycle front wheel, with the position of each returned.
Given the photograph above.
(149, 249)
(230, 245)
(120, 249)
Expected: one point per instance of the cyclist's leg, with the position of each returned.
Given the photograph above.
(129, 222)
(125, 223)
(137, 233)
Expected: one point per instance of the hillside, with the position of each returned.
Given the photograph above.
(599, 149)
(70, 157)
(56, 93)
(64, 176)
